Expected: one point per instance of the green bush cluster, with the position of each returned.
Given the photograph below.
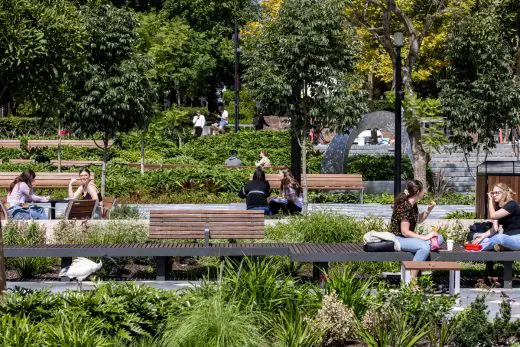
(16, 127)
(378, 167)
(253, 303)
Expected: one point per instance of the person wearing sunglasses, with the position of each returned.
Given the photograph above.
(504, 211)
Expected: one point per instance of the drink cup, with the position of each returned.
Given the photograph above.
(449, 245)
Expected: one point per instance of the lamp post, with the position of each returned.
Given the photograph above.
(235, 36)
(398, 42)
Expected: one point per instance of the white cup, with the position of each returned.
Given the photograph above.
(449, 245)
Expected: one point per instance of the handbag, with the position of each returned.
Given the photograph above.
(478, 228)
(434, 244)
(381, 246)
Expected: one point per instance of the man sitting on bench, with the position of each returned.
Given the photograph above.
(404, 220)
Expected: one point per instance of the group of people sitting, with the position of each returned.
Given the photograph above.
(21, 196)
(503, 211)
(257, 193)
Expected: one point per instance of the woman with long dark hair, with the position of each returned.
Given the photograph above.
(292, 200)
(256, 192)
(504, 211)
(20, 193)
(406, 217)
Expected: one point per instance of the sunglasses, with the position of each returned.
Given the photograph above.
(495, 193)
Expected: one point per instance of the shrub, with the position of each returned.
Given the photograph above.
(336, 320)
(459, 214)
(472, 325)
(124, 211)
(109, 232)
(322, 227)
(378, 167)
(18, 331)
(213, 322)
(351, 290)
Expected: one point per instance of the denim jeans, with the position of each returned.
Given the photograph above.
(33, 212)
(511, 242)
(421, 248)
(266, 210)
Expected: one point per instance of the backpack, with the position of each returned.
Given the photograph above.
(478, 228)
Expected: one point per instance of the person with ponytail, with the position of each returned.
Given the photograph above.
(20, 193)
(406, 217)
(292, 200)
(504, 211)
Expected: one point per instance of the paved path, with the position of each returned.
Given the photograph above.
(493, 297)
(355, 210)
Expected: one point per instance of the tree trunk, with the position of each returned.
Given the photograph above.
(370, 86)
(420, 158)
(142, 152)
(2, 262)
(304, 172)
(59, 145)
(104, 167)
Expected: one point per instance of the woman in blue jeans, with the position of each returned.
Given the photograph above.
(406, 217)
(504, 211)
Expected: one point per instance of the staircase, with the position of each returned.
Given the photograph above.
(455, 169)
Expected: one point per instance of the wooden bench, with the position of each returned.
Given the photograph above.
(80, 209)
(206, 224)
(453, 267)
(326, 182)
(14, 144)
(66, 163)
(71, 143)
(43, 179)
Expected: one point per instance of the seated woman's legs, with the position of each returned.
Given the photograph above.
(490, 242)
(266, 209)
(292, 208)
(277, 207)
(420, 248)
(510, 242)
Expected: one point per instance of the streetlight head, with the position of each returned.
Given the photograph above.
(398, 39)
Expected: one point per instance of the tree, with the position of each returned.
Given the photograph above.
(381, 18)
(301, 64)
(480, 93)
(112, 94)
(40, 42)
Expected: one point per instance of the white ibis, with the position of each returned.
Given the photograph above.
(81, 268)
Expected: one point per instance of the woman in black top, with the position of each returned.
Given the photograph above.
(506, 212)
(256, 192)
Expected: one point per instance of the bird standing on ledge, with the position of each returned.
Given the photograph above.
(81, 268)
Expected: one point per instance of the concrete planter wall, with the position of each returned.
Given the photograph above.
(376, 187)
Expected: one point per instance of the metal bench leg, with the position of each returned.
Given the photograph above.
(319, 270)
(161, 264)
(405, 275)
(65, 261)
(508, 274)
(454, 284)
(361, 197)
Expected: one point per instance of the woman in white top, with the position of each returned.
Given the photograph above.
(292, 200)
(20, 193)
(199, 121)
(264, 160)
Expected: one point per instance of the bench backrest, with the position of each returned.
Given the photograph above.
(72, 143)
(80, 209)
(222, 224)
(324, 181)
(10, 144)
(78, 163)
(43, 179)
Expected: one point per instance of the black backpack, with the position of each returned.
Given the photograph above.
(478, 228)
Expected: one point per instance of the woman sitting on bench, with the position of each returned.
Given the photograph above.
(404, 220)
(506, 212)
(20, 193)
(292, 200)
(256, 192)
(87, 189)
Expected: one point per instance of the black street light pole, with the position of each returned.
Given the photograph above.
(235, 34)
(398, 42)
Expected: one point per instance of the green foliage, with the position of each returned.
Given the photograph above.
(18, 331)
(124, 211)
(293, 329)
(15, 127)
(40, 43)
(23, 233)
(480, 93)
(350, 289)
(110, 232)
(301, 64)
(458, 214)
(473, 327)
(322, 227)
(214, 322)
(378, 168)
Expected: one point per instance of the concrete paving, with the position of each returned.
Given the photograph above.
(493, 296)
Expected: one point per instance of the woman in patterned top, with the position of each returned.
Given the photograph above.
(405, 218)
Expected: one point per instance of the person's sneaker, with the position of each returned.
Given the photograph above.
(500, 248)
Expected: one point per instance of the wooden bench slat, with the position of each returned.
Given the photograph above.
(431, 265)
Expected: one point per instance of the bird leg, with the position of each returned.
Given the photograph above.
(79, 284)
